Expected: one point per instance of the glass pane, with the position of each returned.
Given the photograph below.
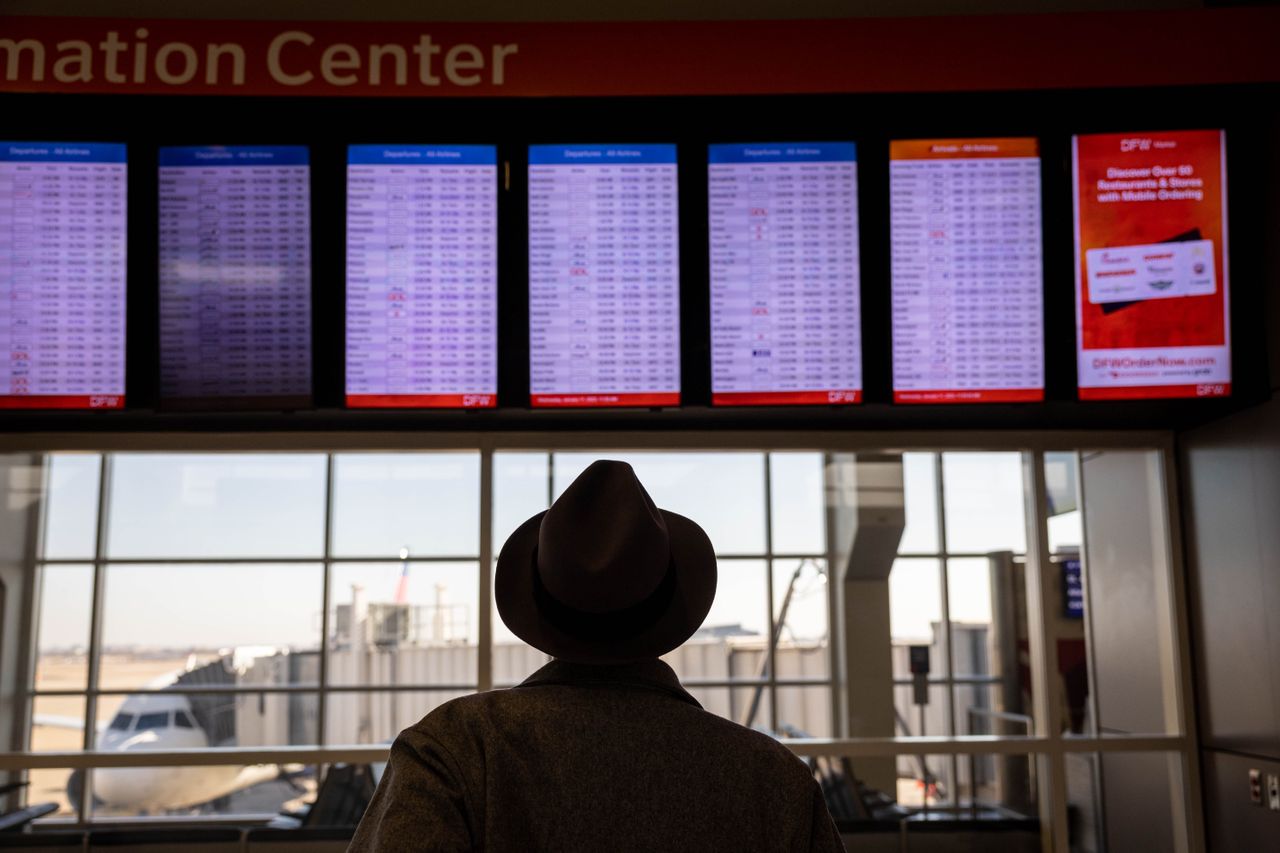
(404, 623)
(71, 514)
(908, 718)
(748, 706)
(723, 492)
(1084, 800)
(804, 711)
(984, 502)
(739, 608)
(428, 503)
(159, 621)
(50, 786)
(230, 789)
(802, 645)
(520, 485)
(915, 600)
(166, 719)
(514, 660)
(217, 505)
(798, 504)
(997, 791)
(969, 592)
(57, 724)
(66, 597)
(377, 717)
(924, 783)
(919, 484)
(1065, 532)
(732, 637)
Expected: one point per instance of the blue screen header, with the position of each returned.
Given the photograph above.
(422, 155)
(235, 155)
(62, 152)
(783, 152)
(546, 155)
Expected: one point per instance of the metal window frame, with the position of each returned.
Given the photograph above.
(1048, 745)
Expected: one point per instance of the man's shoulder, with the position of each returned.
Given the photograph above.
(727, 734)
(470, 717)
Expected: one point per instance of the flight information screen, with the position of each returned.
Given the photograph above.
(1152, 295)
(967, 271)
(422, 276)
(235, 275)
(62, 274)
(785, 318)
(604, 282)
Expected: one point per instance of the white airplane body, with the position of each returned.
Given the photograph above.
(162, 721)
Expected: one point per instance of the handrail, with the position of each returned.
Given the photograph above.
(881, 747)
(1007, 716)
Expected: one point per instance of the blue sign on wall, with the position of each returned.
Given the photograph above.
(1072, 590)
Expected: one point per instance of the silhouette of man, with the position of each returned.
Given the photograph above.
(601, 749)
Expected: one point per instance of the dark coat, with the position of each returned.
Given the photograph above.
(585, 757)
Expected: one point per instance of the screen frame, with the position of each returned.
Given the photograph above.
(692, 123)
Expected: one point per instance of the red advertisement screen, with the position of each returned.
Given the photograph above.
(1152, 287)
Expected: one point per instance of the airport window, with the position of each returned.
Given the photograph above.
(214, 572)
(960, 507)
(326, 600)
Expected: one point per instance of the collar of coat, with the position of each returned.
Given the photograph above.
(643, 675)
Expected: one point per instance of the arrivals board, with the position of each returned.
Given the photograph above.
(422, 276)
(235, 276)
(604, 283)
(62, 274)
(1152, 295)
(967, 271)
(785, 303)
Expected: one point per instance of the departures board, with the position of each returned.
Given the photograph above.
(422, 276)
(786, 326)
(756, 267)
(604, 276)
(968, 283)
(235, 276)
(63, 208)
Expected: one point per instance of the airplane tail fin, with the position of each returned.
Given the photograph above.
(402, 588)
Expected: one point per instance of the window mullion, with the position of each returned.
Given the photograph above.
(484, 629)
(92, 676)
(322, 677)
(947, 633)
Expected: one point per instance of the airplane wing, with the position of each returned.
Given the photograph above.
(61, 721)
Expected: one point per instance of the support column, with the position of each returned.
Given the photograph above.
(866, 517)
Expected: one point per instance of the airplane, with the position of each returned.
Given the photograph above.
(163, 721)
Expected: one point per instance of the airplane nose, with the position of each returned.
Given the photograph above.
(133, 787)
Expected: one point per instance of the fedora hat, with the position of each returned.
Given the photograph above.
(604, 576)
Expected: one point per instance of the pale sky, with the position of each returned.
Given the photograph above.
(272, 505)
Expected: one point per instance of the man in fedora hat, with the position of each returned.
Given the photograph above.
(601, 749)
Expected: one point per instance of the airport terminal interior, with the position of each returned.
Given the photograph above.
(955, 327)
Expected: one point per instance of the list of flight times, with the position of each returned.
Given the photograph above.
(967, 271)
(235, 275)
(422, 267)
(785, 307)
(604, 285)
(62, 274)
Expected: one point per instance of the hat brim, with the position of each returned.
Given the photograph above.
(693, 563)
